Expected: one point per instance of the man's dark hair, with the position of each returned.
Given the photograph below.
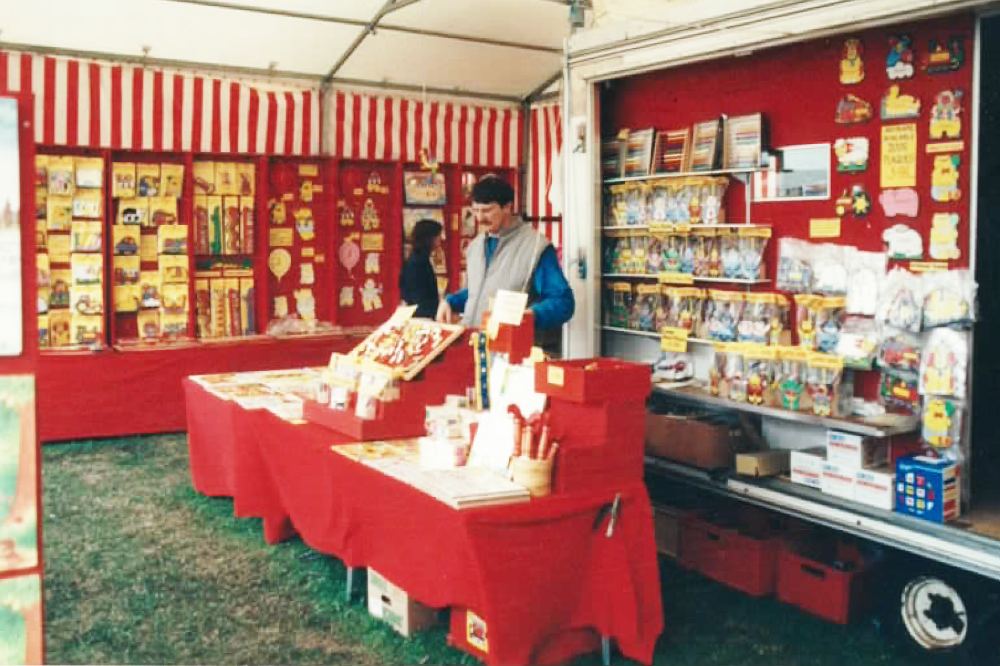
(492, 189)
(423, 235)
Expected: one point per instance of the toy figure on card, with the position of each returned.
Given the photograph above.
(346, 215)
(277, 209)
(945, 121)
(304, 224)
(852, 154)
(375, 184)
(852, 109)
(942, 419)
(346, 296)
(897, 106)
(944, 236)
(899, 61)
(372, 266)
(687, 256)
(369, 216)
(941, 58)
(852, 68)
(944, 363)
(306, 191)
(305, 304)
(371, 296)
(944, 178)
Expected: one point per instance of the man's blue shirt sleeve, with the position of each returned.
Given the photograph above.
(555, 304)
(457, 300)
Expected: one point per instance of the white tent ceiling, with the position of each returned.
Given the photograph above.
(498, 48)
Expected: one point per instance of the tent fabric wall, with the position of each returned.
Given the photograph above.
(97, 104)
(545, 133)
(371, 127)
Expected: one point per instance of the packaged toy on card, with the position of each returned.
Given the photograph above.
(635, 203)
(818, 321)
(704, 244)
(763, 320)
(732, 260)
(621, 304)
(659, 196)
(944, 363)
(823, 375)
(647, 302)
(829, 266)
(899, 301)
(612, 260)
(858, 344)
(794, 265)
(661, 317)
(617, 205)
(654, 255)
(865, 271)
(759, 363)
(791, 378)
(900, 352)
(673, 247)
(734, 377)
(723, 310)
(949, 299)
(752, 241)
(685, 306)
(637, 257)
(899, 391)
(718, 369)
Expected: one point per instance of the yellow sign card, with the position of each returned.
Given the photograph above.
(676, 278)
(824, 227)
(899, 156)
(308, 252)
(372, 242)
(928, 266)
(281, 237)
(310, 170)
(945, 147)
(674, 339)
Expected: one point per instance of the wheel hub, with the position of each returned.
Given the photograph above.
(933, 613)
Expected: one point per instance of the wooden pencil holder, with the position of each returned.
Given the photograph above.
(535, 475)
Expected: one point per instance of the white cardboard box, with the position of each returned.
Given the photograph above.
(390, 603)
(807, 466)
(838, 480)
(845, 448)
(876, 487)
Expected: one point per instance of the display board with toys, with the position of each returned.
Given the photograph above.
(70, 240)
(868, 283)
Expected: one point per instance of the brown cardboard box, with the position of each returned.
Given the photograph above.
(693, 440)
(392, 604)
(667, 529)
(762, 463)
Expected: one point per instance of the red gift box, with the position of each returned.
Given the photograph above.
(594, 380)
(515, 341)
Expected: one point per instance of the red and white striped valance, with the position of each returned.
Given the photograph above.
(107, 105)
(545, 134)
(369, 127)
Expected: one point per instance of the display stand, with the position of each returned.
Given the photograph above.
(597, 413)
(403, 417)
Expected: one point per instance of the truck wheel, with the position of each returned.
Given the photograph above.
(934, 614)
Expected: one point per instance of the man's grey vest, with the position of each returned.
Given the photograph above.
(513, 263)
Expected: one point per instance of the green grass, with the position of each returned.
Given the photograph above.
(141, 569)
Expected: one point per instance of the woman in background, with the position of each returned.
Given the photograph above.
(417, 283)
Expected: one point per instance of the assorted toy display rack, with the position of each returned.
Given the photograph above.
(870, 285)
(69, 204)
(380, 388)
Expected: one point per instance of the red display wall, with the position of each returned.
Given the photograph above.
(797, 88)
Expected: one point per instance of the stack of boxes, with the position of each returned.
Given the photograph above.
(851, 467)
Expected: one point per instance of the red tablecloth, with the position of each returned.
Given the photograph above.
(533, 571)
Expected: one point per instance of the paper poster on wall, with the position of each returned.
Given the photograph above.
(10, 231)
(18, 476)
(21, 619)
(899, 155)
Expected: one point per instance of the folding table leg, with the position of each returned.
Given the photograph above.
(606, 650)
(349, 592)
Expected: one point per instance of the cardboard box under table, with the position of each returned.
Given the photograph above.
(700, 440)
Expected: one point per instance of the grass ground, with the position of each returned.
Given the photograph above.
(141, 569)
